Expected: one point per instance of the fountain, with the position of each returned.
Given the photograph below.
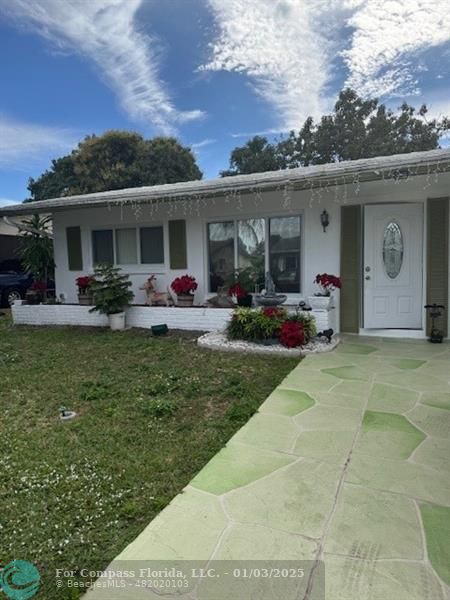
(269, 297)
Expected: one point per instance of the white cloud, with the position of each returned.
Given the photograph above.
(23, 144)
(6, 202)
(387, 35)
(285, 46)
(203, 143)
(291, 49)
(105, 31)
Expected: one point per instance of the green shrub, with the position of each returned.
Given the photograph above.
(110, 290)
(253, 325)
(257, 325)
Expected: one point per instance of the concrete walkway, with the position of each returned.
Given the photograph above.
(347, 462)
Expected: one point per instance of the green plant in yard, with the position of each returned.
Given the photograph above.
(252, 325)
(36, 248)
(111, 290)
(308, 322)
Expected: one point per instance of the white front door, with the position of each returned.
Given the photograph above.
(392, 273)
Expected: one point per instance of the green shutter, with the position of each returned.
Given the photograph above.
(74, 251)
(437, 257)
(350, 296)
(177, 244)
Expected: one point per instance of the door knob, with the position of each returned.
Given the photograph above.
(367, 269)
(367, 277)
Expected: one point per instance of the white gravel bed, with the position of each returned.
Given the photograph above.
(216, 340)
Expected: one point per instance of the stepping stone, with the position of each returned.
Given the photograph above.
(365, 349)
(388, 398)
(364, 521)
(287, 402)
(353, 579)
(348, 372)
(237, 465)
(268, 431)
(436, 522)
(437, 400)
(297, 499)
(387, 435)
(434, 421)
(400, 476)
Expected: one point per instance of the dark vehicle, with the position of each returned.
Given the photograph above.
(13, 286)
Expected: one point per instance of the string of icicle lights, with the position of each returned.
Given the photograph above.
(340, 188)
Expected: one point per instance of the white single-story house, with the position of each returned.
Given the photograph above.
(381, 224)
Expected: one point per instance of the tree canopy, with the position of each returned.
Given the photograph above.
(115, 160)
(357, 128)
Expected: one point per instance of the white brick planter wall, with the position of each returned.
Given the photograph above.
(201, 319)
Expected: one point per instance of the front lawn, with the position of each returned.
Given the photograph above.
(152, 412)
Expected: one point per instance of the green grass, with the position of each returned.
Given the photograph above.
(152, 412)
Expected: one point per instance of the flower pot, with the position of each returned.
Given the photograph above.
(33, 297)
(117, 321)
(85, 299)
(185, 300)
(320, 302)
(246, 301)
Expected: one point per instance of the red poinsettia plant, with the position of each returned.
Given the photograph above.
(186, 284)
(327, 283)
(237, 290)
(273, 312)
(38, 286)
(292, 334)
(84, 283)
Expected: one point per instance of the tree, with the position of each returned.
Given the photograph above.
(358, 128)
(255, 156)
(36, 248)
(115, 160)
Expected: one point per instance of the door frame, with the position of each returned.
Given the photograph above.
(406, 333)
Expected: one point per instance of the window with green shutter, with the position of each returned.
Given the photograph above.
(177, 244)
(74, 250)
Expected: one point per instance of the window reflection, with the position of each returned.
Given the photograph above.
(221, 253)
(251, 248)
(284, 253)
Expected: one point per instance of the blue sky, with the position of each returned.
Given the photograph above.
(212, 72)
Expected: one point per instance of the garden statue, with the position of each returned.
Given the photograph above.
(155, 298)
(269, 297)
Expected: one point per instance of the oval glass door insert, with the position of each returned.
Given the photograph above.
(393, 249)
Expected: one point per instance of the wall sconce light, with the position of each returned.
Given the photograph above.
(325, 219)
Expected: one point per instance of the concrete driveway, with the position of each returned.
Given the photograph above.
(345, 466)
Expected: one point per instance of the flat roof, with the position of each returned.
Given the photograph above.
(367, 169)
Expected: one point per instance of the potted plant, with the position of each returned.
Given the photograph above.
(243, 298)
(240, 282)
(322, 299)
(184, 287)
(36, 293)
(111, 292)
(84, 285)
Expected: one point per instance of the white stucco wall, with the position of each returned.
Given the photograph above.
(320, 251)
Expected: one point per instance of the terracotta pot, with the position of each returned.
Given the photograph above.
(185, 300)
(85, 299)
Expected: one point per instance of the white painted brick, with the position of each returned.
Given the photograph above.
(203, 319)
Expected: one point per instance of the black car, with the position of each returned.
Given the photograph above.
(13, 286)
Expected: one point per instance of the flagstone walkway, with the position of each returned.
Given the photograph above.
(347, 462)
